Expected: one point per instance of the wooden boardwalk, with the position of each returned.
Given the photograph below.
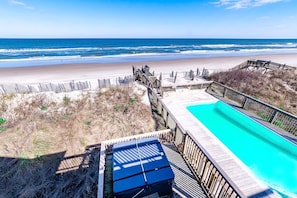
(185, 183)
(238, 173)
(262, 65)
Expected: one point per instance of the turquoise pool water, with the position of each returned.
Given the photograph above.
(270, 157)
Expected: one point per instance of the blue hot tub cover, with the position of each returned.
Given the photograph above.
(140, 167)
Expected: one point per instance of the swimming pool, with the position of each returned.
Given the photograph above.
(270, 157)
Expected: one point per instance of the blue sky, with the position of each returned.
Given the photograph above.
(148, 19)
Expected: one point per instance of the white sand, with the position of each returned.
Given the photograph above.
(64, 73)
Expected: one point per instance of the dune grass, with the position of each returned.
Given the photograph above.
(278, 88)
(50, 142)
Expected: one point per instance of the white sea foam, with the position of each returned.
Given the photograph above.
(97, 57)
(286, 45)
(138, 54)
(48, 49)
(172, 47)
(202, 52)
(149, 47)
(41, 58)
(221, 45)
(156, 54)
(276, 50)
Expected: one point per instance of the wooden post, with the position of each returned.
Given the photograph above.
(89, 85)
(17, 88)
(104, 82)
(224, 92)
(2, 87)
(275, 113)
(109, 82)
(133, 70)
(174, 80)
(40, 87)
(52, 89)
(99, 86)
(244, 102)
(197, 72)
(191, 74)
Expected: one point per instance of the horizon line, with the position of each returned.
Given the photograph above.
(146, 38)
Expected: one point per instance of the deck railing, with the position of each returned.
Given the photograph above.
(273, 115)
(212, 178)
(151, 81)
(262, 64)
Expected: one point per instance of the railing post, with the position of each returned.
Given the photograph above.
(166, 120)
(275, 113)
(225, 91)
(244, 102)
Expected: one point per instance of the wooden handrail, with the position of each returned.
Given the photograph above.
(215, 167)
(276, 111)
(254, 99)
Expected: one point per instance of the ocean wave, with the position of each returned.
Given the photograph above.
(220, 45)
(139, 55)
(144, 47)
(84, 49)
(286, 45)
(202, 52)
(203, 46)
(93, 56)
(276, 45)
(160, 48)
(270, 50)
(199, 52)
(49, 49)
(41, 58)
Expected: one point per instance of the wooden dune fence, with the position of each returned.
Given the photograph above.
(64, 87)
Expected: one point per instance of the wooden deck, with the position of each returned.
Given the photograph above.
(229, 163)
(185, 183)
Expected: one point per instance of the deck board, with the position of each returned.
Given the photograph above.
(185, 182)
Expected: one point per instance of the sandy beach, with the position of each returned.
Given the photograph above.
(68, 72)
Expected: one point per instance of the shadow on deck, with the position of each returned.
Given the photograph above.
(185, 183)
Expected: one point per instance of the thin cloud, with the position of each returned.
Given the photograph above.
(239, 4)
(22, 4)
(264, 17)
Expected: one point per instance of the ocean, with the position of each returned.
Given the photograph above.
(33, 52)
